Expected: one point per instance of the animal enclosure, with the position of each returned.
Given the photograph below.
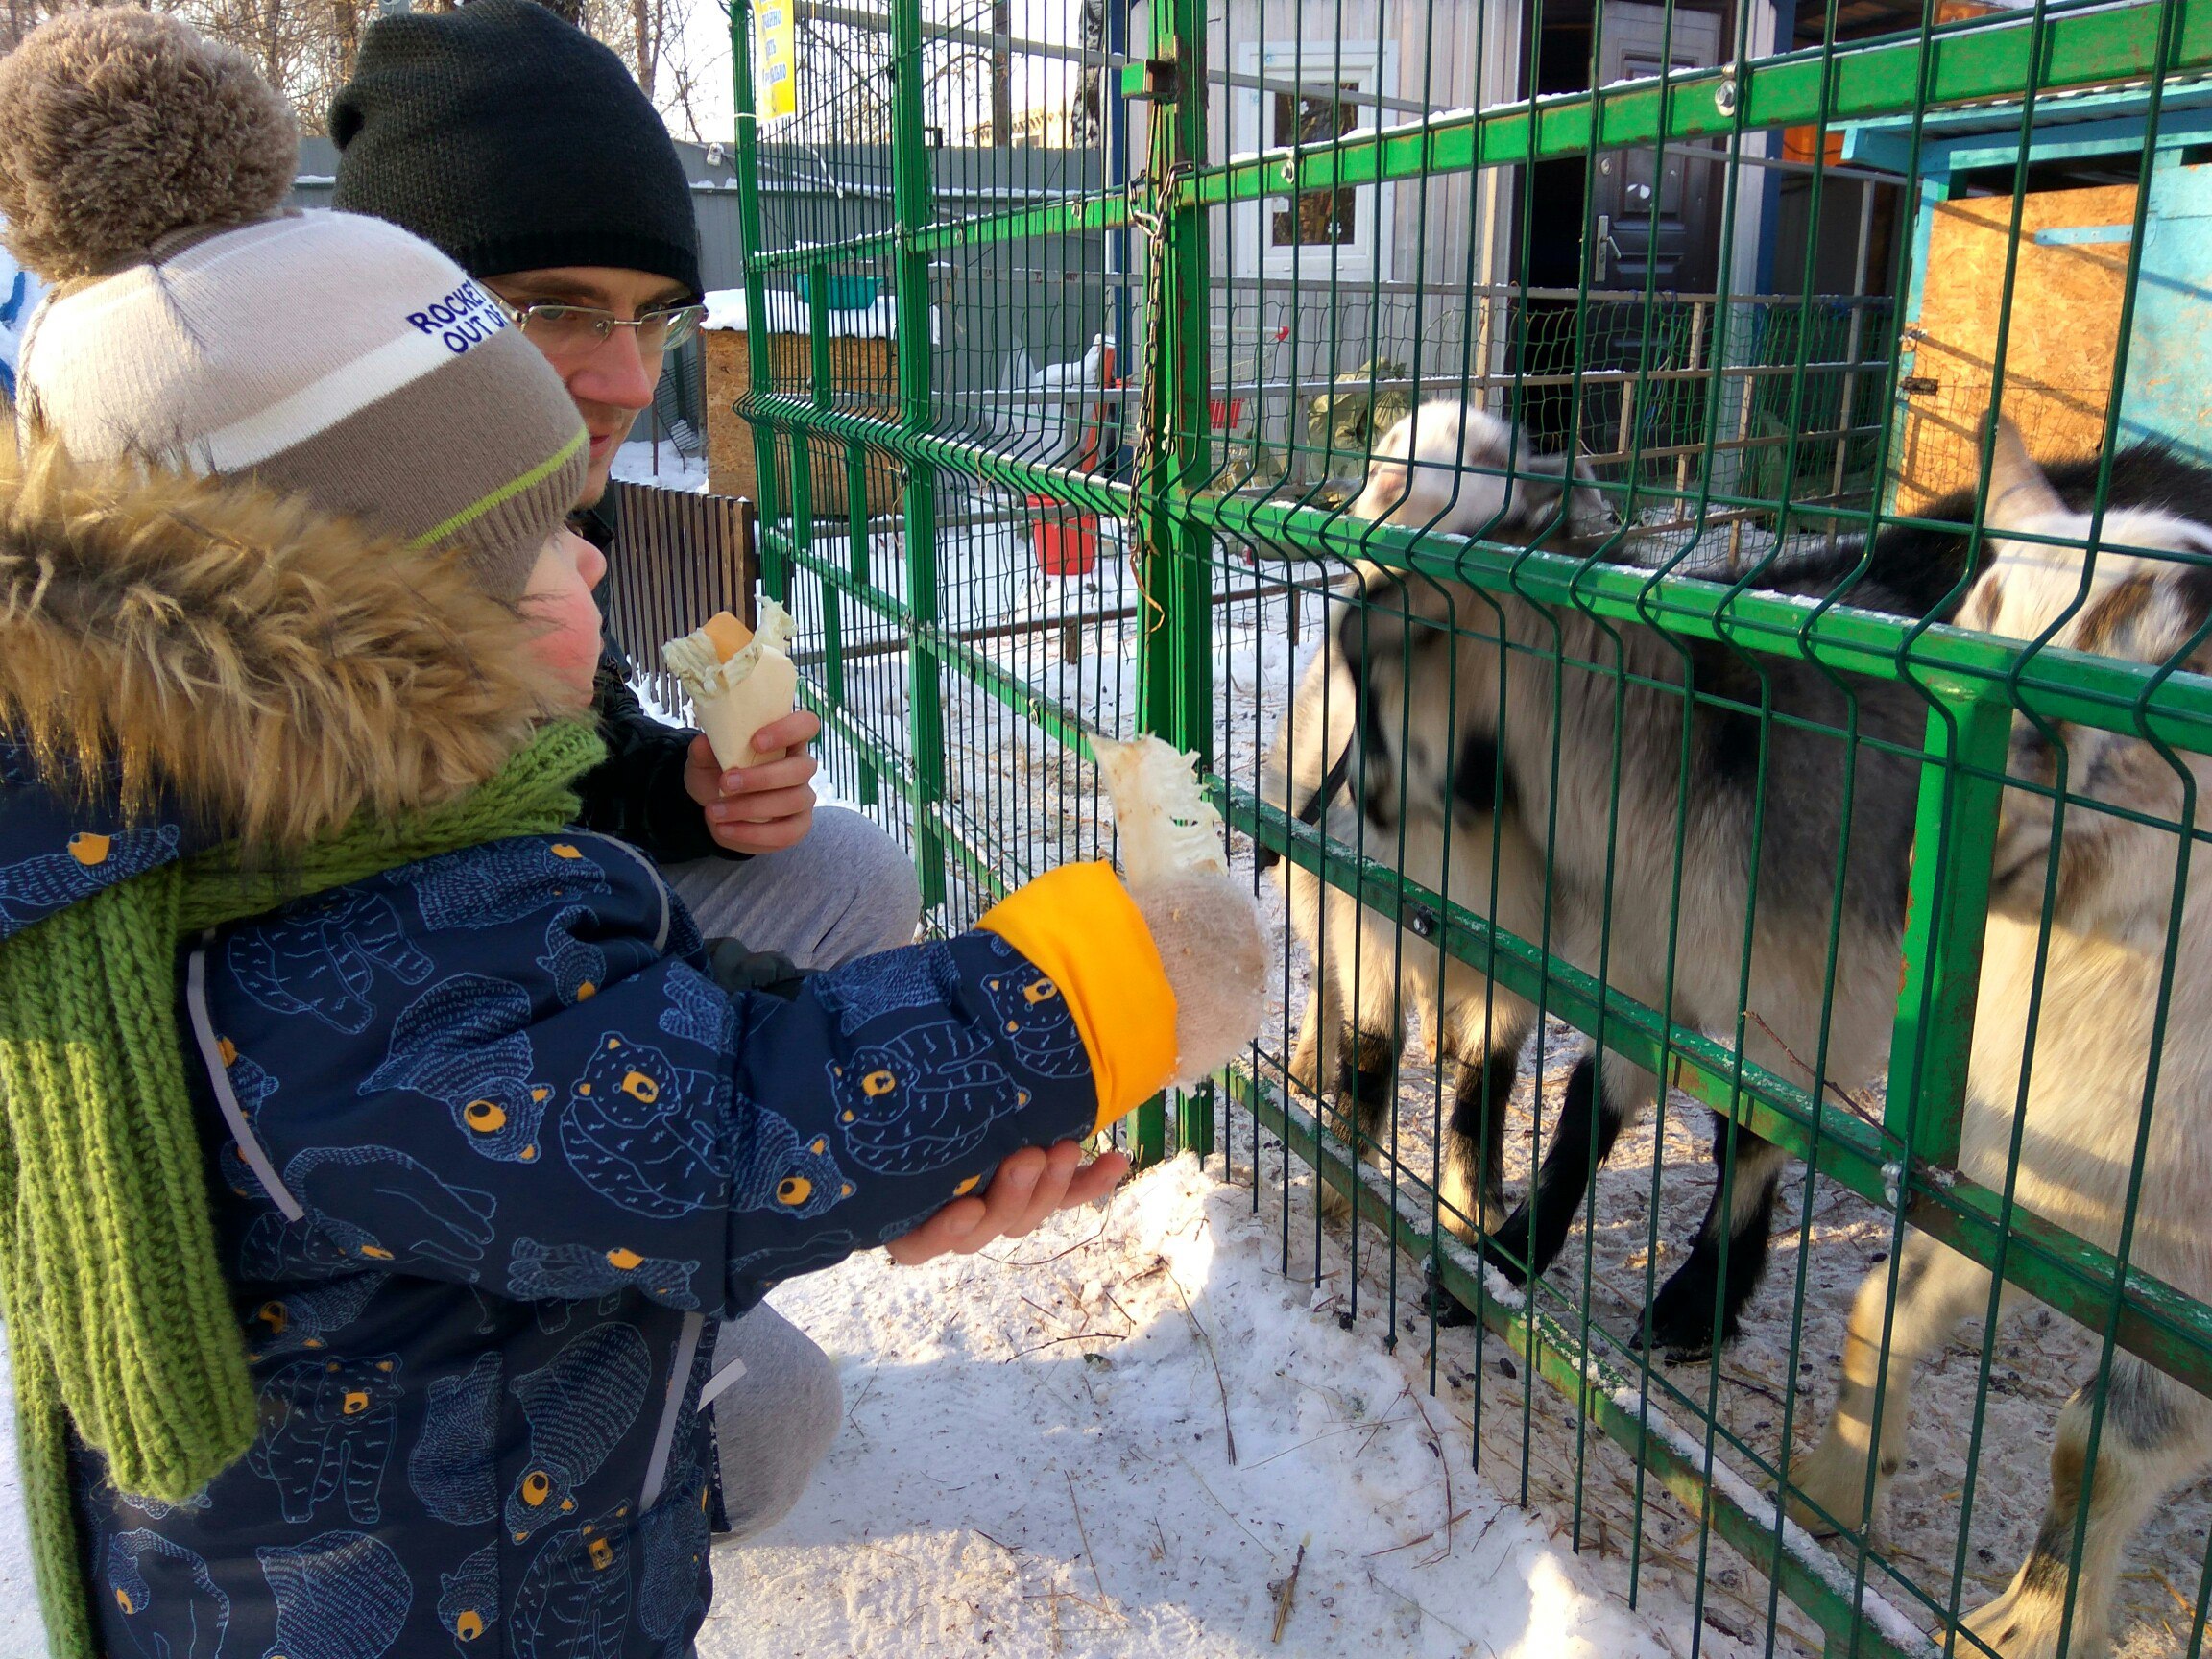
(1495, 437)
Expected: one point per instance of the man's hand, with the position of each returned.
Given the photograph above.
(762, 809)
(1029, 1184)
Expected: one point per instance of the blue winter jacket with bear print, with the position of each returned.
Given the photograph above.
(491, 1158)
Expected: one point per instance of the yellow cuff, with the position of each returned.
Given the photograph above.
(1080, 925)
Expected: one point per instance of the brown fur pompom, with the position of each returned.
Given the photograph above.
(119, 126)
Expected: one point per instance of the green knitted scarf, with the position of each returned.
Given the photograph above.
(119, 1319)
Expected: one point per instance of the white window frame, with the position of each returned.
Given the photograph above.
(1321, 66)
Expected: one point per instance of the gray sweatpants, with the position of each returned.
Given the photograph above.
(846, 891)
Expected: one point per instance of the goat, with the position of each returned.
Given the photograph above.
(2111, 882)
(1435, 714)
(1334, 764)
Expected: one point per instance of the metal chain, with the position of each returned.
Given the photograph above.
(1153, 227)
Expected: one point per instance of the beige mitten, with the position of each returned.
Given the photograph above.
(1207, 930)
(1204, 922)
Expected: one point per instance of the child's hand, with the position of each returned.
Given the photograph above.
(1029, 1184)
(762, 809)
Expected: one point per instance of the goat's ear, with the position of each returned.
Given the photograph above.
(2019, 495)
(1544, 491)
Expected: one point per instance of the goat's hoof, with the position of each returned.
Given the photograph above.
(1680, 1328)
(1830, 1481)
(1505, 1254)
(2027, 1623)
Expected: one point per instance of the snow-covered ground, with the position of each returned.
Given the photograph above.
(1118, 1437)
(634, 463)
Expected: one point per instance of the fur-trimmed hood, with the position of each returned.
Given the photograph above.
(189, 661)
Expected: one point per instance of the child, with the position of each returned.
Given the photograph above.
(376, 1161)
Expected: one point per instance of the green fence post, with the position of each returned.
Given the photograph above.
(913, 194)
(1175, 665)
(1947, 902)
(803, 479)
(775, 568)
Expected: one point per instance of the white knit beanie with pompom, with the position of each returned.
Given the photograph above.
(197, 325)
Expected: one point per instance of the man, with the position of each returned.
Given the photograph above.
(523, 150)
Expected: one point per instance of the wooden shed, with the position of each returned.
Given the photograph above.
(863, 377)
(2069, 278)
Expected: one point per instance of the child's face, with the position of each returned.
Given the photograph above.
(558, 596)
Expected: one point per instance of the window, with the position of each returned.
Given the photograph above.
(1313, 95)
(1318, 218)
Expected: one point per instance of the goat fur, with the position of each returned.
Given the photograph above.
(2095, 1005)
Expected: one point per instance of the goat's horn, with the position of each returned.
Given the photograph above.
(2018, 492)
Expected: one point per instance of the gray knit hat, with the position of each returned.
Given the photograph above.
(197, 325)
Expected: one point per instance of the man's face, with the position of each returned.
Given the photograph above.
(610, 380)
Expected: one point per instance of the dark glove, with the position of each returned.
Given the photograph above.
(738, 970)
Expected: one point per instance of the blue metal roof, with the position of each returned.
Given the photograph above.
(2066, 124)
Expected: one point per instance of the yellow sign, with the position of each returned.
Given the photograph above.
(774, 61)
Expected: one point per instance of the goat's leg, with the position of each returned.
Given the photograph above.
(2156, 1435)
(1361, 1032)
(1599, 1103)
(1937, 1288)
(1729, 1258)
(1483, 1028)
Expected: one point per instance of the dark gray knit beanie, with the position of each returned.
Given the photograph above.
(512, 141)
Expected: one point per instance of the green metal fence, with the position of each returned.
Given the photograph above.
(1184, 267)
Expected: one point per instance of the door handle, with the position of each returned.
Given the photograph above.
(1605, 250)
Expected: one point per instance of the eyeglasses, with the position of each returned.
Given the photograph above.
(572, 330)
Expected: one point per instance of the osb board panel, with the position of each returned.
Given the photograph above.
(864, 372)
(2057, 354)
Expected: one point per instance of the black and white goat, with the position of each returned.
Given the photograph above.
(1613, 810)
(2111, 882)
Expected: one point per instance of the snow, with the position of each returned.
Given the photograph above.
(788, 314)
(1038, 1454)
(634, 464)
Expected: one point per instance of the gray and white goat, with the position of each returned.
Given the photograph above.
(1452, 734)
(2112, 878)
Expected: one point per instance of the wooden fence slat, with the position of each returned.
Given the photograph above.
(678, 558)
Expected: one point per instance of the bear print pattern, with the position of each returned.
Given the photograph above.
(251, 1085)
(419, 1216)
(773, 1262)
(1037, 1023)
(451, 1469)
(49, 881)
(326, 1428)
(574, 1602)
(777, 1171)
(186, 1618)
(468, 1599)
(699, 1012)
(578, 967)
(921, 1100)
(634, 1134)
(339, 1596)
(572, 1272)
(579, 1405)
(896, 982)
(303, 1320)
(320, 956)
(464, 1044)
(502, 881)
(534, 1304)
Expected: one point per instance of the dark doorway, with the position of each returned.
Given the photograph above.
(1605, 231)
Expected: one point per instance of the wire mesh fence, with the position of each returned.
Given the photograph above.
(1729, 807)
